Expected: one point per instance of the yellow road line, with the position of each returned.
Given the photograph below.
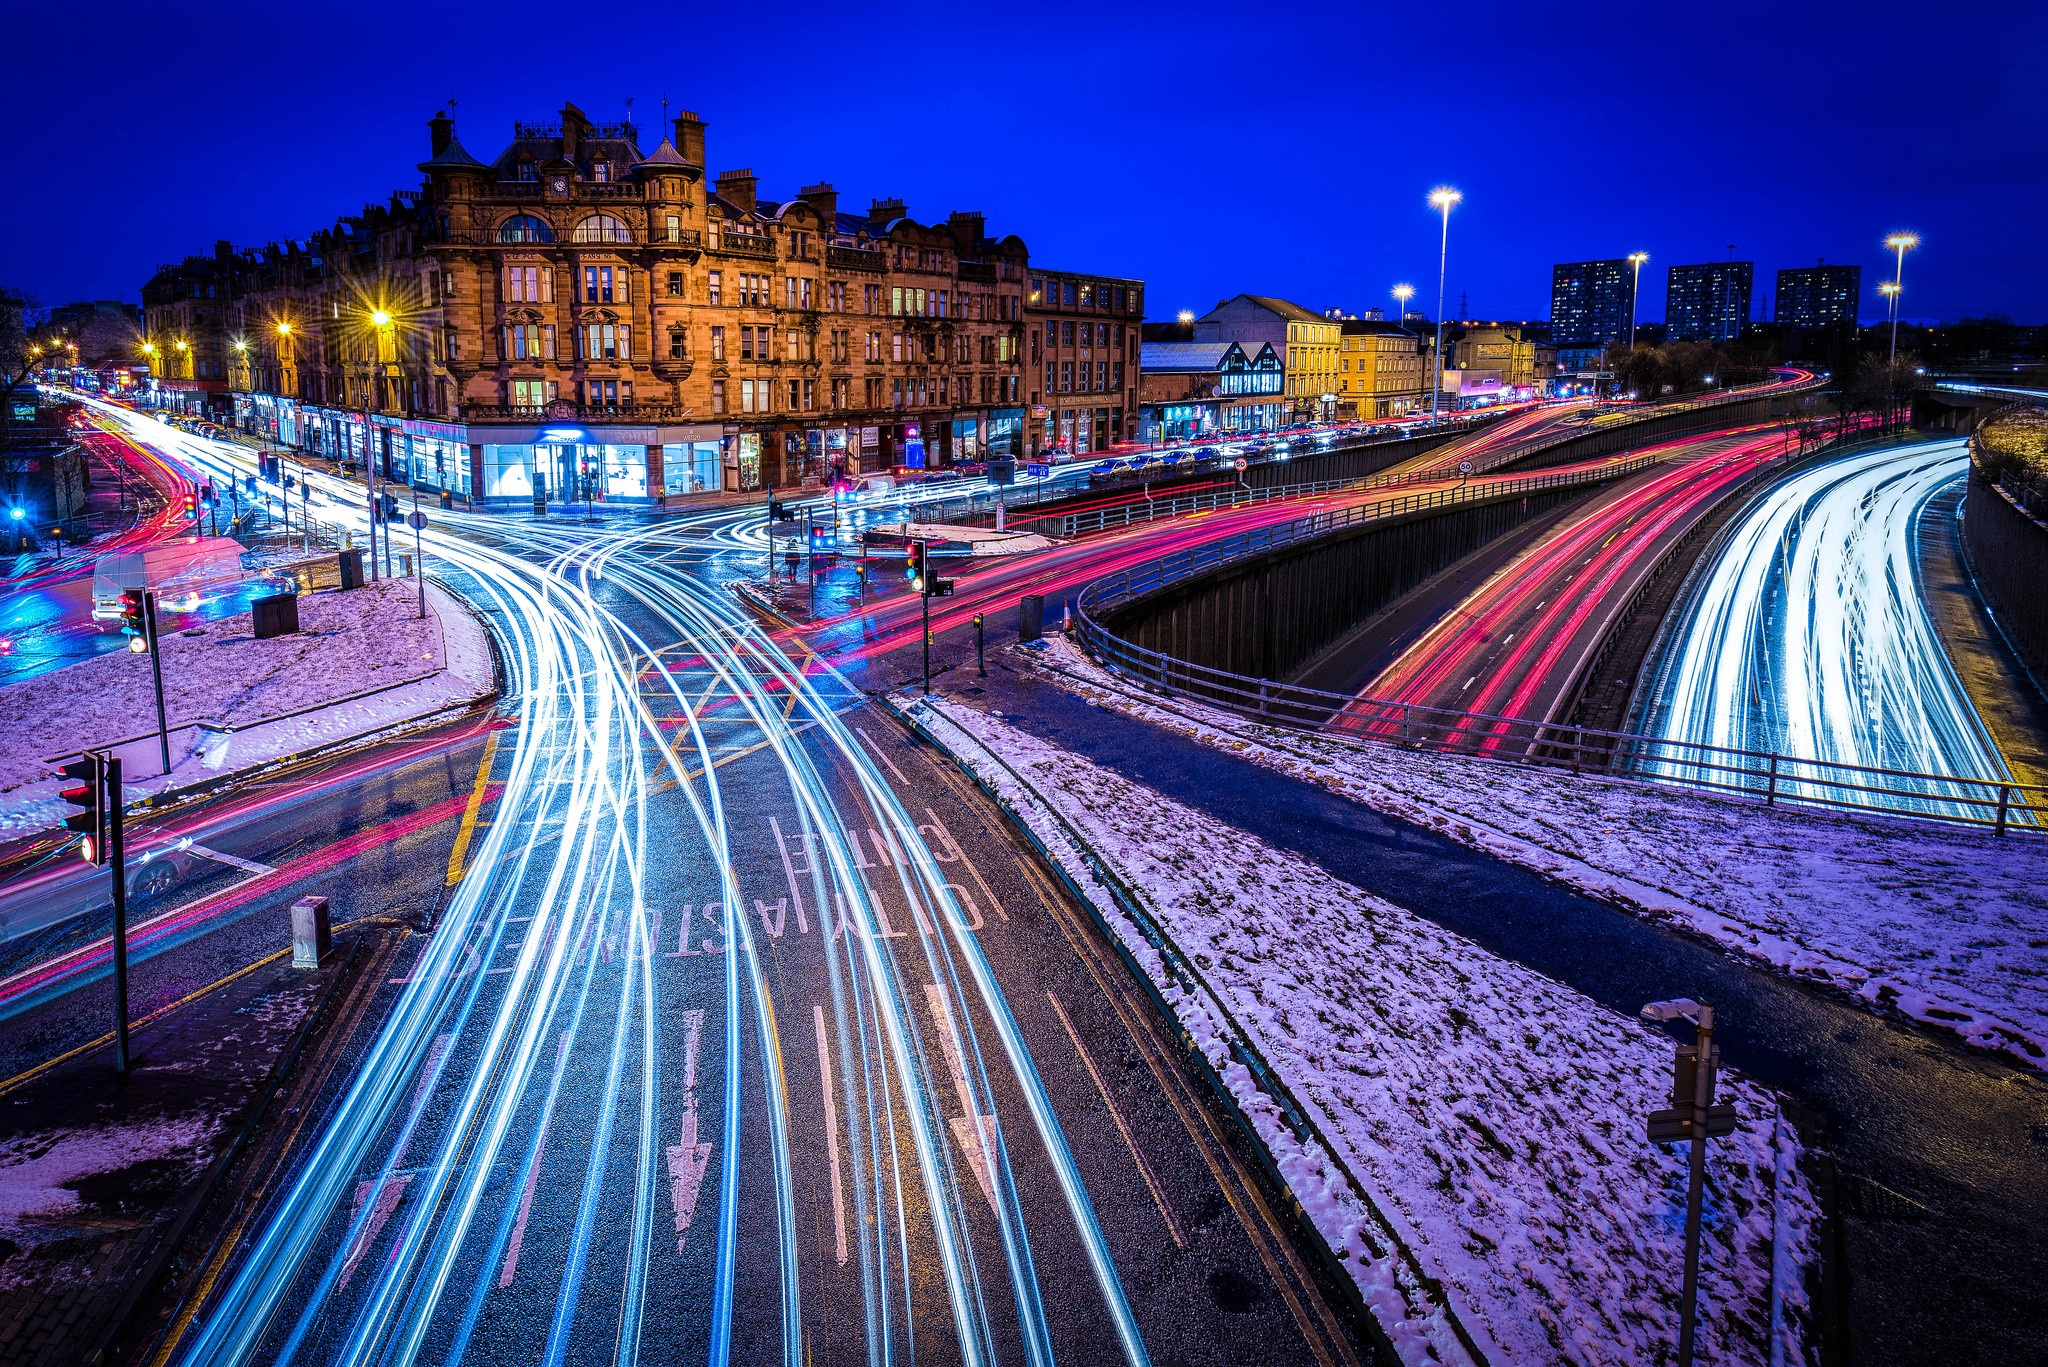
(460, 853)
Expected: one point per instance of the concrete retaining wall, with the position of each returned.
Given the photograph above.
(2008, 554)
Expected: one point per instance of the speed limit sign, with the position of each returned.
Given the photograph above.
(1241, 463)
(1464, 467)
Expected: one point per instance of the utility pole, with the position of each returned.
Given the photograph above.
(117, 858)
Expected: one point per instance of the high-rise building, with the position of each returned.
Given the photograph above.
(1819, 296)
(1708, 302)
(1589, 303)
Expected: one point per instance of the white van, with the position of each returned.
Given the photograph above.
(185, 565)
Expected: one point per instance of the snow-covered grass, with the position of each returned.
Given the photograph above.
(243, 689)
(1942, 924)
(1486, 1119)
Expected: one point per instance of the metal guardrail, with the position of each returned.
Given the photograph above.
(1774, 777)
(1127, 586)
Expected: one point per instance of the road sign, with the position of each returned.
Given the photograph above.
(416, 520)
(1241, 464)
(1464, 467)
(1675, 1125)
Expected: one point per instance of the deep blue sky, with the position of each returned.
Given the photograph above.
(1208, 149)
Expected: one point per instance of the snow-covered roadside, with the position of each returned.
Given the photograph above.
(245, 691)
(1941, 924)
(1486, 1118)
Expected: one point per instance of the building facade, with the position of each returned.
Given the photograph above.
(1308, 343)
(1820, 296)
(1527, 365)
(1383, 370)
(579, 318)
(1589, 304)
(1196, 389)
(1083, 336)
(1708, 302)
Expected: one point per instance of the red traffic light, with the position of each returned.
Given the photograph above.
(90, 797)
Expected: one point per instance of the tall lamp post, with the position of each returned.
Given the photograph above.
(1900, 243)
(1635, 289)
(1402, 294)
(1441, 198)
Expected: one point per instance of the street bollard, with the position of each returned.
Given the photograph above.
(1031, 617)
(311, 938)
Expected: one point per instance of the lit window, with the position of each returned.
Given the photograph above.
(525, 228)
(602, 228)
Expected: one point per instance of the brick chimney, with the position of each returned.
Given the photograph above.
(738, 186)
(690, 137)
(573, 125)
(886, 209)
(969, 227)
(442, 129)
(824, 199)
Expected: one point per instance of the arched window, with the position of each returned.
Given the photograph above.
(602, 228)
(525, 228)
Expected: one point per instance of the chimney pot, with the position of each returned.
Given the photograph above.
(442, 131)
(738, 186)
(690, 137)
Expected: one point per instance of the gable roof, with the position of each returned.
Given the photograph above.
(1292, 312)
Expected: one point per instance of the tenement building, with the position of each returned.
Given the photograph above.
(1084, 333)
(582, 318)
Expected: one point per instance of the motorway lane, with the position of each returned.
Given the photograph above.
(1516, 645)
(1810, 637)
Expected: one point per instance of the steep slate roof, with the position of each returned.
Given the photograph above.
(452, 158)
(664, 155)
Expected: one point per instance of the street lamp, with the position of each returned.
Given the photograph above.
(1441, 198)
(1636, 259)
(1900, 243)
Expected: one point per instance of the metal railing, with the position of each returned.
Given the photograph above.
(856, 259)
(740, 244)
(1772, 776)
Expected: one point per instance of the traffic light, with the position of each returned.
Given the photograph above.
(91, 796)
(206, 495)
(777, 512)
(135, 619)
(918, 568)
(821, 536)
(389, 509)
(191, 505)
(941, 588)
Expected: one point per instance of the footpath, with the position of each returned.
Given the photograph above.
(361, 663)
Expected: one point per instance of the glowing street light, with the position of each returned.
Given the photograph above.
(284, 329)
(1441, 198)
(1636, 259)
(1402, 294)
(1900, 243)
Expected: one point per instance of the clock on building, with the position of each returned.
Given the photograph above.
(561, 185)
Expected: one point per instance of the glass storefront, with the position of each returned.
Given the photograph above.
(690, 468)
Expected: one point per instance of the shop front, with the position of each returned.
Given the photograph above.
(596, 465)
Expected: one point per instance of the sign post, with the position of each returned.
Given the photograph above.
(118, 862)
(1694, 1116)
(417, 520)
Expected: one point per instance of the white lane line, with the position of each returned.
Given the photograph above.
(972, 1132)
(1144, 1168)
(387, 1194)
(233, 861)
(533, 1173)
(831, 1134)
(688, 1159)
(862, 733)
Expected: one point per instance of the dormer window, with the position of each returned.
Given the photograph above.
(601, 172)
(528, 171)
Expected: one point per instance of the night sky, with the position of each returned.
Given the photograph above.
(1208, 149)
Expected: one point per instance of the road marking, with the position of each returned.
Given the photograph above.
(974, 1133)
(533, 1173)
(1144, 1168)
(831, 1134)
(232, 861)
(387, 1191)
(688, 1160)
(458, 856)
(879, 755)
